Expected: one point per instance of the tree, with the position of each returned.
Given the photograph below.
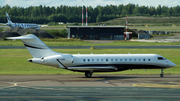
(170, 11)
(45, 14)
(159, 10)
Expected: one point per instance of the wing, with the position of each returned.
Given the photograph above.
(93, 68)
(21, 37)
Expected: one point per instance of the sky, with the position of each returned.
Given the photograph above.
(93, 3)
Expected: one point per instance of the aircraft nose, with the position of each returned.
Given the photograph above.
(171, 64)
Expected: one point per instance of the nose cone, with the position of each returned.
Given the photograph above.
(171, 64)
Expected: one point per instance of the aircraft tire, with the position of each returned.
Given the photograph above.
(88, 74)
(161, 75)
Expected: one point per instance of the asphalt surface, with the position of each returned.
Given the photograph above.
(97, 47)
(97, 88)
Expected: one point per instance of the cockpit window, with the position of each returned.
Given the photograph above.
(161, 58)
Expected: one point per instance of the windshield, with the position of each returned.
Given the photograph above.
(161, 58)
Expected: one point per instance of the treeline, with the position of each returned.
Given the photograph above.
(45, 14)
(58, 33)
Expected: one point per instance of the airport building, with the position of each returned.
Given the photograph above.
(96, 32)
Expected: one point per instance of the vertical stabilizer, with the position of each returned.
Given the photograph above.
(8, 18)
(35, 46)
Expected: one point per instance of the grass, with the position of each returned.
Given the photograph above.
(14, 61)
(157, 28)
(77, 42)
(143, 21)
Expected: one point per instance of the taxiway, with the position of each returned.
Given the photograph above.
(97, 88)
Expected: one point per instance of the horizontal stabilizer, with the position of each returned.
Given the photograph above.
(21, 37)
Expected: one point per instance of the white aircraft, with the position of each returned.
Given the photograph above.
(90, 63)
(22, 25)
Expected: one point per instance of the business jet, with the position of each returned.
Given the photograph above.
(22, 25)
(90, 63)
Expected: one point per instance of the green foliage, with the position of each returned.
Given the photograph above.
(29, 32)
(164, 34)
(58, 33)
(92, 47)
(1, 29)
(75, 23)
(78, 42)
(4, 38)
(45, 14)
(143, 21)
(52, 24)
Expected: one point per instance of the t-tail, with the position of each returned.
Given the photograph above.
(35, 46)
(8, 19)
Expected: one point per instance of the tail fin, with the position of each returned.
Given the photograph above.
(8, 18)
(35, 46)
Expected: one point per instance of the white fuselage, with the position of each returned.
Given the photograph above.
(105, 62)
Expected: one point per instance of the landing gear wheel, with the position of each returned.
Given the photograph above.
(162, 75)
(88, 74)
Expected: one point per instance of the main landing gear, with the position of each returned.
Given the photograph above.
(88, 74)
(162, 75)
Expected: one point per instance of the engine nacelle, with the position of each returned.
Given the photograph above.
(61, 61)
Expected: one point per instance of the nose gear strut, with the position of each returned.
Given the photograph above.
(162, 74)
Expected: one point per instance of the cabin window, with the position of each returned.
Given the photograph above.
(111, 60)
(134, 59)
(106, 60)
(120, 59)
(88, 60)
(125, 59)
(139, 59)
(116, 60)
(97, 60)
(84, 60)
(149, 59)
(129, 59)
(92, 60)
(101, 60)
(144, 60)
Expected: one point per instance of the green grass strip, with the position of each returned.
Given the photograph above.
(77, 42)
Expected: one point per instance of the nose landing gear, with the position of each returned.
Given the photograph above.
(162, 74)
